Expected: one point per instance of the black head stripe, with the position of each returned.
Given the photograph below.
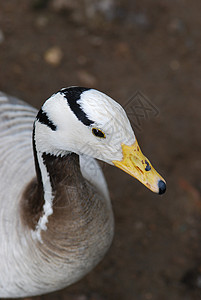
(43, 118)
(72, 96)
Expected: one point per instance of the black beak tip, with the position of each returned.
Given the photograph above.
(161, 187)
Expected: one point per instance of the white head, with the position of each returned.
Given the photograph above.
(86, 121)
(74, 116)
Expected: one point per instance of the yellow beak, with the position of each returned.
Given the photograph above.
(138, 166)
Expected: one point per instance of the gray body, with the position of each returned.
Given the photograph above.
(79, 231)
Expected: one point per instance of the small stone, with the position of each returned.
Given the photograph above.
(41, 21)
(174, 65)
(53, 56)
(86, 78)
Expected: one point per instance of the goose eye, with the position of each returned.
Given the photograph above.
(97, 132)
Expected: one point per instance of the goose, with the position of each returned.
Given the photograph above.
(56, 219)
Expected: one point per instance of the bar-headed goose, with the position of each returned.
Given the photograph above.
(56, 220)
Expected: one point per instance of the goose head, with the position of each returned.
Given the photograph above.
(88, 122)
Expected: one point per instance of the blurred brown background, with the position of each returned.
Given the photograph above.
(120, 48)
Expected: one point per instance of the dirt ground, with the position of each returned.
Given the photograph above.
(145, 52)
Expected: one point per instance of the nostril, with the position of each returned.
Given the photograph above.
(161, 187)
(148, 167)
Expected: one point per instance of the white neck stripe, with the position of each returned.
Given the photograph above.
(48, 197)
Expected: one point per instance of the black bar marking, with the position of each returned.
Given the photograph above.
(72, 95)
(43, 118)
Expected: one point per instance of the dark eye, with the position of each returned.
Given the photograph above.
(97, 132)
